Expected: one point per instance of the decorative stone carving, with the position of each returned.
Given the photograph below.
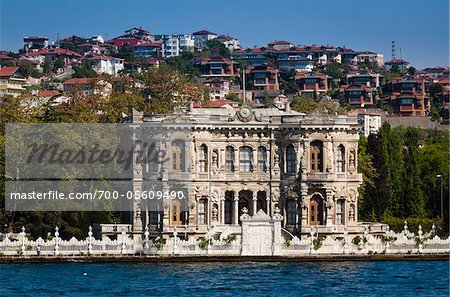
(215, 213)
(351, 161)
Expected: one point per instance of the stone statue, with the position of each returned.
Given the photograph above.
(215, 213)
(351, 161)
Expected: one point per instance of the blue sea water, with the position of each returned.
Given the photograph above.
(423, 278)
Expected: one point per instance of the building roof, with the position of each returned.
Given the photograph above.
(204, 32)
(76, 81)
(35, 37)
(140, 29)
(396, 61)
(149, 43)
(47, 93)
(8, 71)
(225, 37)
(99, 57)
(53, 51)
(5, 57)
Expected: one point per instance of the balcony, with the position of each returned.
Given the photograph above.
(318, 176)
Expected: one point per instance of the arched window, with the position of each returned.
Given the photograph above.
(340, 159)
(201, 212)
(178, 155)
(340, 211)
(229, 196)
(317, 156)
(261, 201)
(291, 211)
(245, 159)
(316, 210)
(203, 158)
(153, 158)
(291, 160)
(262, 157)
(229, 159)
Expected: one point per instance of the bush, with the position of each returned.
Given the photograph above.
(397, 224)
(159, 242)
(204, 243)
(357, 240)
(318, 242)
(229, 239)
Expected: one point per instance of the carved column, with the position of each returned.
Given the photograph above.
(304, 205)
(329, 207)
(222, 210)
(255, 202)
(236, 208)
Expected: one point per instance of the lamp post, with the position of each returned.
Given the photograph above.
(442, 196)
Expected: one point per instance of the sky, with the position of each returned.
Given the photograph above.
(419, 27)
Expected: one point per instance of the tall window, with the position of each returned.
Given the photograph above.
(245, 159)
(341, 159)
(201, 212)
(153, 158)
(228, 207)
(317, 156)
(261, 201)
(229, 159)
(262, 156)
(340, 204)
(178, 156)
(202, 158)
(291, 159)
(316, 210)
(291, 211)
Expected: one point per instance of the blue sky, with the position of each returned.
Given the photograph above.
(419, 27)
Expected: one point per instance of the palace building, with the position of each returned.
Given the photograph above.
(279, 161)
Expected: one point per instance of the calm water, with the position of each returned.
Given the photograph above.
(227, 279)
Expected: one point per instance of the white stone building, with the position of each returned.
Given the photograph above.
(260, 159)
(201, 37)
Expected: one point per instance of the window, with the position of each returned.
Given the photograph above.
(153, 158)
(316, 210)
(262, 156)
(341, 159)
(317, 156)
(291, 159)
(229, 159)
(201, 212)
(340, 211)
(178, 155)
(228, 207)
(261, 201)
(291, 210)
(202, 158)
(245, 159)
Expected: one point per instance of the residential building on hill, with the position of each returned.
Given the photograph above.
(34, 43)
(12, 81)
(402, 65)
(201, 37)
(230, 43)
(148, 49)
(251, 56)
(174, 44)
(407, 96)
(313, 82)
(260, 78)
(107, 65)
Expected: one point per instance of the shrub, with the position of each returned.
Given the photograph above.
(229, 239)
(159, 242)
(359, 239)
(318, 242)
(204, 243)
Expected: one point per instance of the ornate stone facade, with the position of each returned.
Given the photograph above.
(262, 159)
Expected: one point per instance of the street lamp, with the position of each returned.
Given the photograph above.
(442, 196)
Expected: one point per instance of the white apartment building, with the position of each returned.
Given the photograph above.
(174, 44)
(378, 59)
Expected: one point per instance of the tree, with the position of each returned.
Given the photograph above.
(335, 70)
(307, 104)
(166, 89)
(184, 63)
(369, 173)
(215, 48)
(411, 71)
(288, 85)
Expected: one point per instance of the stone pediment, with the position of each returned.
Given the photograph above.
(261, 216)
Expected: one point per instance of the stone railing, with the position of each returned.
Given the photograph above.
(404, 242)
